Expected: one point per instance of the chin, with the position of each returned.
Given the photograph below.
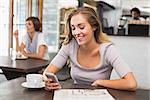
(81, 43)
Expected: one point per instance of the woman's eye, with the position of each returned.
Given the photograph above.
(72, 28)
(81, 27)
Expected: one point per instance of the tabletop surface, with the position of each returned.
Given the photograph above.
(22, 65)
(12, 90)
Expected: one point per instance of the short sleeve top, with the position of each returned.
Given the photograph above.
(39, 40)
(110, 59)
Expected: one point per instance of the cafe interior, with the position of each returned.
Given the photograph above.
(131, 37)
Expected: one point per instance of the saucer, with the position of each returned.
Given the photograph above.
(24, 84)
(21, 58)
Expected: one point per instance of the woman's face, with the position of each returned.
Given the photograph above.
(30, 27)
(81, 29)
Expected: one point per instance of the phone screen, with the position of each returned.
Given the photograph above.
(52, 76)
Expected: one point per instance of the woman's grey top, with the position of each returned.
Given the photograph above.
(109, 59)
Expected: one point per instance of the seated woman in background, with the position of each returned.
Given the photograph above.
(91, 53)
(33, 44)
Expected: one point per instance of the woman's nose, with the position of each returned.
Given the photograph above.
(76, 33)
(27, 26)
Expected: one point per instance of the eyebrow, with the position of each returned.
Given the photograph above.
(78, 24)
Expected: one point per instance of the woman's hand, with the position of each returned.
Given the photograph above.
(16, 33)
(127, 82)
(24, 53)
(49, 85)
(97, 83)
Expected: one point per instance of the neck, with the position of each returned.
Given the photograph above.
(89, 47)
(31, 35)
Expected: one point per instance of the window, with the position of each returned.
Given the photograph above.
(50, 24)
(4, 27)
(21, 10)
(19, 18)
(34, 8)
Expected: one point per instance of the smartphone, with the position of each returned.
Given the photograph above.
(53, 77)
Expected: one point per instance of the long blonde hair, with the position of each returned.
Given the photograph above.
(93, 20)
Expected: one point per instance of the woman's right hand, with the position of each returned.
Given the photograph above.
(49, 85)
(16, 33)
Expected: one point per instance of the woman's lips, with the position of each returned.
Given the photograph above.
(79, 39)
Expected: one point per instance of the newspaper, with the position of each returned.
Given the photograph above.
(82, 94)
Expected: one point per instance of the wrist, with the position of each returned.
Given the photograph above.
(17, 38)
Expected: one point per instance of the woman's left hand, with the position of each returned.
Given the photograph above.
(24, 53)
(97, 83)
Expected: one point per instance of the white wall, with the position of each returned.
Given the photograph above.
(136, 52)
(133, 3)
(113, 16)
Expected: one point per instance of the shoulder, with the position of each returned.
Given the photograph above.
(70, 47)
(40, 34)
(106, 45)
(108, 48)
(71, 44)
(25, 35)
(25, 38)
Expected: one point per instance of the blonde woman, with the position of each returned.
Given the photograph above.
(91, 53)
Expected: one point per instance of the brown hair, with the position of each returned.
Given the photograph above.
(135, 10)
(36, 22)
(93, 20)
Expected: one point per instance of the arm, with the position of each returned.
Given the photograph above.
(57, 63)
(22, 47)
(51, 68)
(127, 82)
(17, 45)
(48, 82)
(39, 55)
(17, 40)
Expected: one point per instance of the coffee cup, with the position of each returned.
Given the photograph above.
(34, 80)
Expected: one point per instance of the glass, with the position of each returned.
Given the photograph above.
(13, 53)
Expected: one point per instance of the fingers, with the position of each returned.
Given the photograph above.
(24, 53)
(16, 33)
(95, 83)
(52, 86)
